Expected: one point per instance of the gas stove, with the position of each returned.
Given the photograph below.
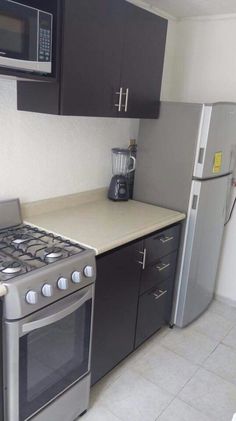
(47, 296)
(38, 267)
(26, 248)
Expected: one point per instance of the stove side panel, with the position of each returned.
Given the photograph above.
(1, 362)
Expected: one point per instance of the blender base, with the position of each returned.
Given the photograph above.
(119, 188)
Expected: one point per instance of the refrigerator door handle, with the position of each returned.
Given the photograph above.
(195, 201)
(228, 199)
(201, 155)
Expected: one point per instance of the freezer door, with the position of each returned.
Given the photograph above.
(217, 139)
(202, 245)
(166, 156)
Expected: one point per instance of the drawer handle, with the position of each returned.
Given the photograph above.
(162, 266)
(143, 262)
(164, 240)
(159, 294)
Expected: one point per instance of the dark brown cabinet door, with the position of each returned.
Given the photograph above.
(142, 62)
(115, 311)
(92, 54)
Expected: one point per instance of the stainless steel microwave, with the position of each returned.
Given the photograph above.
(25, 38)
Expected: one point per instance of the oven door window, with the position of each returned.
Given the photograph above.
(18, 32)
(52, 358)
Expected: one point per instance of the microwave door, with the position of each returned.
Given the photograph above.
(18, 37)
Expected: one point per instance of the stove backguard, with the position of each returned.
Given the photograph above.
(10, 213)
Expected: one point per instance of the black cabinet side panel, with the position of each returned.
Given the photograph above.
(38, 97)
(116, 301)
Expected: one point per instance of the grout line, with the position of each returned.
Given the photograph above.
(233, 327)
(162, 412)
(204, 360)
(220, 377)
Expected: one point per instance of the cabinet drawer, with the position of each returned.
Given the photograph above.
(162, 243)
(163, 269)
(153, 311)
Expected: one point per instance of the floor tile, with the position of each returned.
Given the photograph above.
(133, 398)
(165, 368)
(190, 344)
(180, 411)
(223, 363)
(213, 325)
(230, 339)
(98, 389)
(98, 413)
(226, 311)
(210, 395)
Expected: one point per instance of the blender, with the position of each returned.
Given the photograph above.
(119, 185)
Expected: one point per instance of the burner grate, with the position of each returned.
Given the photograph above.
(25, 248)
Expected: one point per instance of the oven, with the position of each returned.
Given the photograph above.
(46, 360)
(25, 38)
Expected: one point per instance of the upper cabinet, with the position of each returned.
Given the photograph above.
(142, 62)
(111, 63)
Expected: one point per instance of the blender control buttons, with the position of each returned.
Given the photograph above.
(88, 271)
(31, 297)
(63, 284)
(47, 290)
(122, 190)
(76, 277)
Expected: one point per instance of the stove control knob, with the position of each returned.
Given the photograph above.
(47, 290)
(31, 297)
(88, 271)
(63, 284)
(76, 277)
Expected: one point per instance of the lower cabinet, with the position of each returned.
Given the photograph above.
(115, 310)
(133, 297)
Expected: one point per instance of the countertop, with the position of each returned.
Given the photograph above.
(102, 224)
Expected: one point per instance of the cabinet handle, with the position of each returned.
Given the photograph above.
(119, 105)
(162, 266)
(159, 294)
(126, 100)
(143, 262)
(164, 240)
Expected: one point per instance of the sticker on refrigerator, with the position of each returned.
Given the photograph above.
(217, 162)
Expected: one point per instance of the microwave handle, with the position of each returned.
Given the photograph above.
(65, 309)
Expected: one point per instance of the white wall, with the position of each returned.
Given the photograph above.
(45, 156)
(202, 68)
(204, 64)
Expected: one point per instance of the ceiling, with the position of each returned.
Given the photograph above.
(188, 8)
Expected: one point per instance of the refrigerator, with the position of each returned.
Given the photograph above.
(185, 162)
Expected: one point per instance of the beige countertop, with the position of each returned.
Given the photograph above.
(101, 224)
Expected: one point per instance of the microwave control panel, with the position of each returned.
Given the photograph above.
(45, 37)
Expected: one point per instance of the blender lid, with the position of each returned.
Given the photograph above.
(121, 151)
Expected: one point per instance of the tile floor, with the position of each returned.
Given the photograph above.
(177, 375)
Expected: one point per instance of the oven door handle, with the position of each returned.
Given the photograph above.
(65, 309)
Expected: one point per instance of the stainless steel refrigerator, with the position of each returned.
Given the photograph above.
(185, 161)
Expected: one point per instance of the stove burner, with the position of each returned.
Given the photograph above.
(21, 238)
(11, 267)
(53, 252)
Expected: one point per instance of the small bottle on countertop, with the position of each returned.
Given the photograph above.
(131, 175)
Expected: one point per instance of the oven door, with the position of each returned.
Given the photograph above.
(46, 353)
